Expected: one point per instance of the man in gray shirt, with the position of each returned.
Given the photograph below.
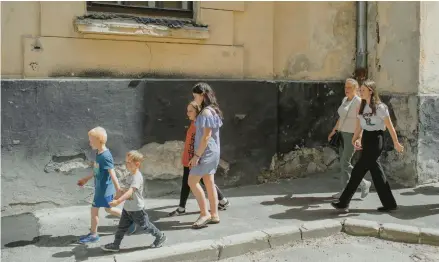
(133, 210)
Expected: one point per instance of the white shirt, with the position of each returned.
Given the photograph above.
(348, 120)
(370, 122)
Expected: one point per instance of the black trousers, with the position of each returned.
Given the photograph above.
(185, 189)
(140, 218)
(372, 142)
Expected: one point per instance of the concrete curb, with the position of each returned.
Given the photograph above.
(391, 231)
(240, 244)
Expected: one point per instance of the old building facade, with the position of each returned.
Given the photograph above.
(277, 67)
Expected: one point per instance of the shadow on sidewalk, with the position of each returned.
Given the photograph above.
(302, 214)
(64, 241)
(406, 212)
(403, 213)
(303, 205)
(48, 241)
(426, 190)
(83, 253)
(302, 202)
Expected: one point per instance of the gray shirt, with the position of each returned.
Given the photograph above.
(371, 122)
(136, 201)
(348, 114)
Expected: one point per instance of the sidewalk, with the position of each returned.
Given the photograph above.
(49, 235)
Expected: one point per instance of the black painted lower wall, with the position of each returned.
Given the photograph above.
(43, 119)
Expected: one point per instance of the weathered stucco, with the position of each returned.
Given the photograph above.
(314, 40)
(404, 59)
(393, 46)
(429, 50)
(428, 141)
(39, 40)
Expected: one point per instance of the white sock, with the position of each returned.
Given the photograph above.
(181, 209)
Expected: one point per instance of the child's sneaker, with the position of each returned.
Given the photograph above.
(89, 239)
(158, 242)
(223, 206)
(110, 247)
(132, 229)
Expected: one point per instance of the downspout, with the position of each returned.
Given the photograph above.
(361, 54)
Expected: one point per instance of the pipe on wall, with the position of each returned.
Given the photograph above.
(361, 43)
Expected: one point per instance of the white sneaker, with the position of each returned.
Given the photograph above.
(336, 196)
(365, 189)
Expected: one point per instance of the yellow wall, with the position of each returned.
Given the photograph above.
(260, 40)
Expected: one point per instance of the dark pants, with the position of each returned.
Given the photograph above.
(138, 217)
(372, 143)
(185, 189)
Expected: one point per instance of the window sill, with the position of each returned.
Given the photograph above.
(132, 28)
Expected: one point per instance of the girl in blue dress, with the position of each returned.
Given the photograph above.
(207, 154)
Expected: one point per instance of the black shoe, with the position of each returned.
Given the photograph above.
(386, 209)
(177, 212)
(337, 205)
(110, 247)
(224, 206)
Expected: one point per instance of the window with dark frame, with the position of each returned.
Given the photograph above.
(179, 9)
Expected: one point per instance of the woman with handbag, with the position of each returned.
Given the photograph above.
(373, 120)
(342, 133)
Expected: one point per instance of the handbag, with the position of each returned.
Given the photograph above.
(337, 139)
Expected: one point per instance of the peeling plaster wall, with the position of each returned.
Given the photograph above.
(393, 46)
(280, 131)
(404, 61)
(314, 40)
(428, 144)
(45, 146)
(429, 50)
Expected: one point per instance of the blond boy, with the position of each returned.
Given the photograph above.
(134, 207)
(105, 180)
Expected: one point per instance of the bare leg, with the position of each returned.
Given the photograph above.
(209, 182)
(114, 211)
(197, 190)
(94, 220)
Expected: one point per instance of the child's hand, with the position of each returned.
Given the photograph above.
(82, 182)
(114, 203)
(119, 193)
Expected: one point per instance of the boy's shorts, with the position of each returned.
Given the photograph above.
(101, 201)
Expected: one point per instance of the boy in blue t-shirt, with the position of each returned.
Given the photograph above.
(105, 180)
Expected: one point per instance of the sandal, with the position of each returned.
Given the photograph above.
(214, 220)
(201, 222)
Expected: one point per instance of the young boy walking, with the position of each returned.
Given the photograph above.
(134, 207)
(106, 183)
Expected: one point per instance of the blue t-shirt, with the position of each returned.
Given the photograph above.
(103, 184)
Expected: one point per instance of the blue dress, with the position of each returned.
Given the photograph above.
(209, 161)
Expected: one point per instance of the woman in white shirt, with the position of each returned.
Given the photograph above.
(346, 125)
(373, 120)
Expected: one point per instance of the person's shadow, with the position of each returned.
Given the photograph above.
(304, 211)
(83, 253)
(426, 190)
(406, 212)
(304, 202)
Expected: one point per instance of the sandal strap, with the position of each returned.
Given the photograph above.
(202, 221)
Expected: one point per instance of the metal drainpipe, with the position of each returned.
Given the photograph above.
(361, 55)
